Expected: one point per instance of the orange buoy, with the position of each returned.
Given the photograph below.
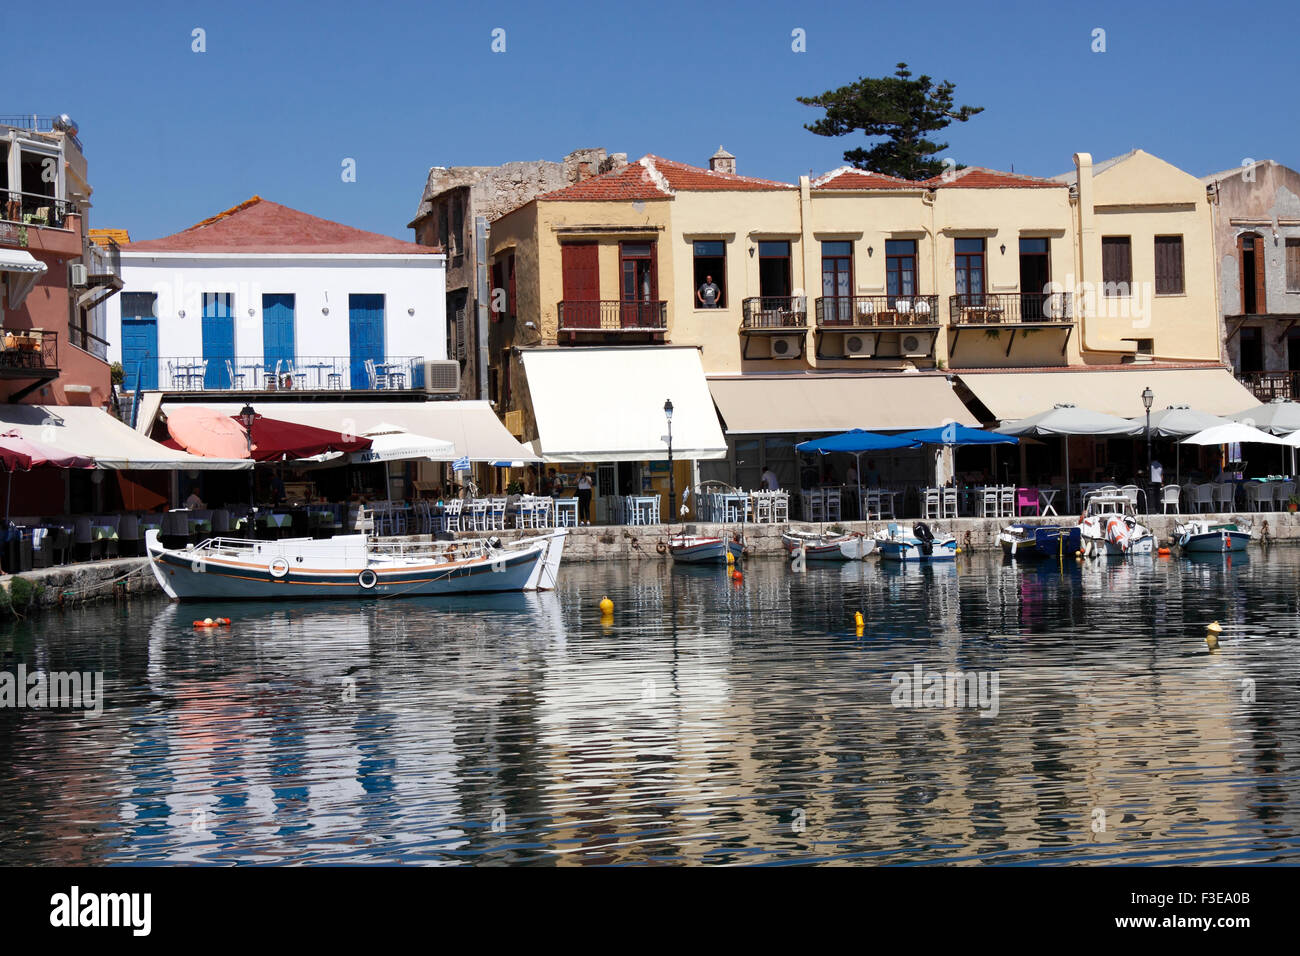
(736, 576)
(213, 622)
(1163, 551)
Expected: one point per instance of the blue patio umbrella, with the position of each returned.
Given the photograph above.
(854, 443)
(954, 434)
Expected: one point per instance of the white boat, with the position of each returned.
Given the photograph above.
(1201, 536)
(920, 545)
(352, 566)
(828, 547)
(1110, 527)
(694, 549)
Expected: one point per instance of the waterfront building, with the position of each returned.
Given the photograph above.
(1257, 247)
(850, 300)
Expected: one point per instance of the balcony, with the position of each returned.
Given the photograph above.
(773, 327)
(877, 311)
(34, 209)
(331, 373)
(994, 311)
(28, 354)
(1267, 386)
(609, 320)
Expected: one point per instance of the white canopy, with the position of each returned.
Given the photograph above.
(1233, 432)
(25, 270)
(1070, 420)
(394, 443)
(1278, 416)
(607, 404)
(93, 432)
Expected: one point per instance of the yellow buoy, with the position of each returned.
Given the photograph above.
(1212, 632)
(857, 619)
(731, 559)
(959, 550)
(606, 606)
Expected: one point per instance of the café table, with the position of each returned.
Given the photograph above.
(319, 368)
(566, 512)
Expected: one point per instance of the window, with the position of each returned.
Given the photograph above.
(710, 265)
(1254, 291)
(1116, 265)
(969, 262)
(639, 286)
(900, 267)
(1293, 265)
(1169, 265)
(837, 281)
(510, 286)
(774, 271)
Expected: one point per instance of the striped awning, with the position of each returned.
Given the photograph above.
(24, 271)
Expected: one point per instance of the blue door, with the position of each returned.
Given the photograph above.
(218, 338)
(277, 329)
(365, 335)
(139, 340)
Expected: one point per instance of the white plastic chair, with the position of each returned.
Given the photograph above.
(1224, 496)
(1203, 497)
(1170, 495)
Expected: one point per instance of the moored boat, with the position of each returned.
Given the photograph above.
(1110, 527)
(352, 566)
(1038, 541)
(920, 545)
(695, 549)
(828, 547)
(1201, 536)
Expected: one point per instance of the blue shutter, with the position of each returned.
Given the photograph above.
(139, 340)
(218, 338)
(365, 334)
(277, 330)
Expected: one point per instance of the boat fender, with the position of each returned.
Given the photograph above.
(279, 568)
(213, 622)
(606, 606)
(494, 542)
(661, 548)
(367, 579)
(858, 620)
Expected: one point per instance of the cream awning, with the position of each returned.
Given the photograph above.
(24, 270)
(471, 426)
(607, 404)
(1013, 395)
(834, 403)
(93, 432)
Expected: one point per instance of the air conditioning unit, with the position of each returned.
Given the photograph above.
(78, 275)
(859, 345)
(786, 346)
(442, 377)
(914, 344)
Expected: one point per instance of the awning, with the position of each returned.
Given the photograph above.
(755, 405)
(471, 426)
(93, 432)
(1013, 395)
(608, 404)
(24, 270)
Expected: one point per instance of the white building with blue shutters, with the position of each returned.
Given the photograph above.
(266, 298)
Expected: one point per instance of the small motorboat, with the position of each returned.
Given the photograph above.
(1039, 541)
(352, 566)
(1201, 536)
(1110, 527)
(695, 549)
(920, 545)
(828, 547)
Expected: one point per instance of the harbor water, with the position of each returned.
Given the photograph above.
(707, 720)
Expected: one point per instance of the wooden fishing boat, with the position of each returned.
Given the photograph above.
(352, 566)
(920, 545)
(1201, 536)
(828, 547)
(694, 549)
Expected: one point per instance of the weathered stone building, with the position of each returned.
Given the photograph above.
(453, 199)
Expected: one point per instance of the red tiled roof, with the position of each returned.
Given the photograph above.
(977, 177)
(653, 177)
(846, 177)
(261, 226)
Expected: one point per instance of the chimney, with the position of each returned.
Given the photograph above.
(722, 162)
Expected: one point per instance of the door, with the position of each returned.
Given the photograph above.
(1250, 252)
(640, 285)
(218, 338)
(900, 270)
(837, 282)
(969, 262)
(139, 340)
(580, 262)
(1252, 350)
(1035, 272)
(365, 335)
(277, 329)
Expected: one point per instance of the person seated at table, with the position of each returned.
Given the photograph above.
(769, 480)
(194, 502)
(873, 476)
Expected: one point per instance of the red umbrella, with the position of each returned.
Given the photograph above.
(22, 454)
(276, 440)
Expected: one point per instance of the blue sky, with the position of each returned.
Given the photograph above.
(286, 91)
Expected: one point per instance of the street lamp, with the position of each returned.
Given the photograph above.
(1147, 398)
(672, 485)
(246, 418)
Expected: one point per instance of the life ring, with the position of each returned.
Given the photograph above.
(367, 579)
(279, 568)
(661, 548)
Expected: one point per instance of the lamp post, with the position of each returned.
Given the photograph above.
(672, 485)
(246, 418)
(1147, 398)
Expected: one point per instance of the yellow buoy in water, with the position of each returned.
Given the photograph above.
(959, 550)
(857, 619)
(1212, 632)
(606, 606)
(731, 559)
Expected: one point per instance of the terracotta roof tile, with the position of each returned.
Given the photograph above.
(653, 177)
(631, 182)
(684, 177)
(846, 177)
(261, 226)
(977, 177)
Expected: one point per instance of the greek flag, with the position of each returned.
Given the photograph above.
(460, 464)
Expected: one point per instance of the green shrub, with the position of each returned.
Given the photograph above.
(21, 592)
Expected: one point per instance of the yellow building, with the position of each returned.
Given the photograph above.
(846, 300)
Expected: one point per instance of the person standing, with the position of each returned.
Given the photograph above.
(708, 294)
(769, 480)
(584, 498)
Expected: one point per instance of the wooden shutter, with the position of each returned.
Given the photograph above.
(1116, 260)
(581, 271)
(1169, 265)
(1293, 265)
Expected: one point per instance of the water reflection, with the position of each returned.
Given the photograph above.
(712, 720)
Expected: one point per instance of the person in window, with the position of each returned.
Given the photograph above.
(708, 294)
(769, 480)
(194, 502)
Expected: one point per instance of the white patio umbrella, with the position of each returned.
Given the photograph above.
(1179, 421)
(1238, 432)
(1279, 416)
(394, 443)
(1065, 420)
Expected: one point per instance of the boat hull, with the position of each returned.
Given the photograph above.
(1043, 541)
(1094, 547)
(278, 572)
(849, 547)
(1215, 542)
(703, 550)
(909, 549)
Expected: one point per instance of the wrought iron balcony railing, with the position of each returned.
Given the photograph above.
(33, 349)
(774, 312)
(243, 373)
(874, 311)
(1014, 308)
(612, 315)
(34, 209)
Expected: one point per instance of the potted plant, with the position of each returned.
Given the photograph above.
(1293, 504)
